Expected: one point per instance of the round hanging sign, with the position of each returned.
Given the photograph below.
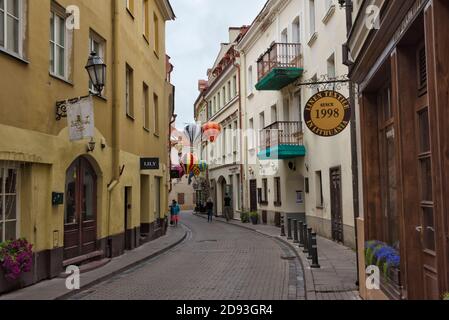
(327, 113)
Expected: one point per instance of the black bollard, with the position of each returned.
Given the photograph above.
(309, 242)
(315, 262)
(301, 234)
(295, 231)
(289, 229)
(306, 245)
(282, 227)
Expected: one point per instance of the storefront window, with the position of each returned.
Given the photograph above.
(8, 204)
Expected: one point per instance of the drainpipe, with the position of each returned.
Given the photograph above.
(116, 173)
(355, 167)
(242, 173)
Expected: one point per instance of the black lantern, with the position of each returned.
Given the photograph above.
(97, 72)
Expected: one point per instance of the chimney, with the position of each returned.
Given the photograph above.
(202, 85)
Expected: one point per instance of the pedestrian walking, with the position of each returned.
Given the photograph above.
(210, 209)
(228, 207)
(174, 211)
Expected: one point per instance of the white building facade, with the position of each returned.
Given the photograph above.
(288, 170)
(221, 94)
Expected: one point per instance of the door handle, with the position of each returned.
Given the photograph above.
(419, 229)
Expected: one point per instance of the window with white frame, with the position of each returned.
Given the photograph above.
(10, 26)
(98, 45)
(58, 41)
(312, 15)
(9, 203)
(250, 80)
(296, 36)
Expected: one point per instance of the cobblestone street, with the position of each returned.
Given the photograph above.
(216, 262)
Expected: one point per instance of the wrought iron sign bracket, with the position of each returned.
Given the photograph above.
(324, 81)
(61, 106)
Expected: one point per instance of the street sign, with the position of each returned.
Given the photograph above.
(327, 113)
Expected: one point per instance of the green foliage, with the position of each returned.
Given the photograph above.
(254, 214)
(446, 296)
(244, 216)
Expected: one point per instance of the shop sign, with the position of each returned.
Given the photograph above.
(327, 113)
(149, 164)
(80, 119)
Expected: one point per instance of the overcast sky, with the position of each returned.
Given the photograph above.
(193, 42)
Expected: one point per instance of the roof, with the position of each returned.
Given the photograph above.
(166, 9)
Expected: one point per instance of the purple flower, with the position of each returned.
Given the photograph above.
(16, 258)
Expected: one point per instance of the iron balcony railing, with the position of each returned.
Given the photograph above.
(279, 55)
(282, 133)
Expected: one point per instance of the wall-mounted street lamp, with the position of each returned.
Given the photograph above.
(345, 3)
(96, 68)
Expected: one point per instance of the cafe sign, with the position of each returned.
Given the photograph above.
(327, 113)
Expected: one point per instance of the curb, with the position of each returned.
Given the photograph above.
(309, 283)
(128, 267)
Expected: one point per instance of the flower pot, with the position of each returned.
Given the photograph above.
(7, 285)
(254, 220)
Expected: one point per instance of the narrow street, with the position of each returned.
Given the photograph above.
(216, 262)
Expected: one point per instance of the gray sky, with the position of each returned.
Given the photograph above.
(193, 42)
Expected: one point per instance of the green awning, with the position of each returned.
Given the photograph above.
(279, 78)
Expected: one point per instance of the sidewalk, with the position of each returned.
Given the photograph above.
(335, 280)
(56, 289)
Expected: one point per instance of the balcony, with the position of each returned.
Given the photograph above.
(282, 140)
(280, 66)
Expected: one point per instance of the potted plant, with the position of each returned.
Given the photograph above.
(16, 258)
(254, 216)
(244, 216)
(386, 258)
(446, 296)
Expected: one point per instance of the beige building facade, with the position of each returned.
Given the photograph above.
(111, 203)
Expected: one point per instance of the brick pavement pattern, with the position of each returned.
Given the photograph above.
(217, 262)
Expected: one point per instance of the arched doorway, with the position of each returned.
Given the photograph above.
(80, 214)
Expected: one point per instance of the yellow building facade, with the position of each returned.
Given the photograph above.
(74, 204)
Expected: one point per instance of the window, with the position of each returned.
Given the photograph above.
(129, 92)
(58, 42)
(146, 107)
(219, 101)
(209, 109)
(215, 105)
(264, 191)
(10, 26)
(156, 114)
(277, 194)
(146, 20)
(296, 31)
(251, 135)
(234, 85)
(331, 72)
(284, 36)
(156, 33)
(8, 203)
(229, 93)
(312, 15)
(319, 189)
(223, 90)
(250, 80)
(98, 45)
(274, 114)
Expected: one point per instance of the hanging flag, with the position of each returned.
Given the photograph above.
(80, 119)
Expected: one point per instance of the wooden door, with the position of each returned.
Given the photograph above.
(336, 205)
(253, 195)
(426, 209)
(80, 217)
